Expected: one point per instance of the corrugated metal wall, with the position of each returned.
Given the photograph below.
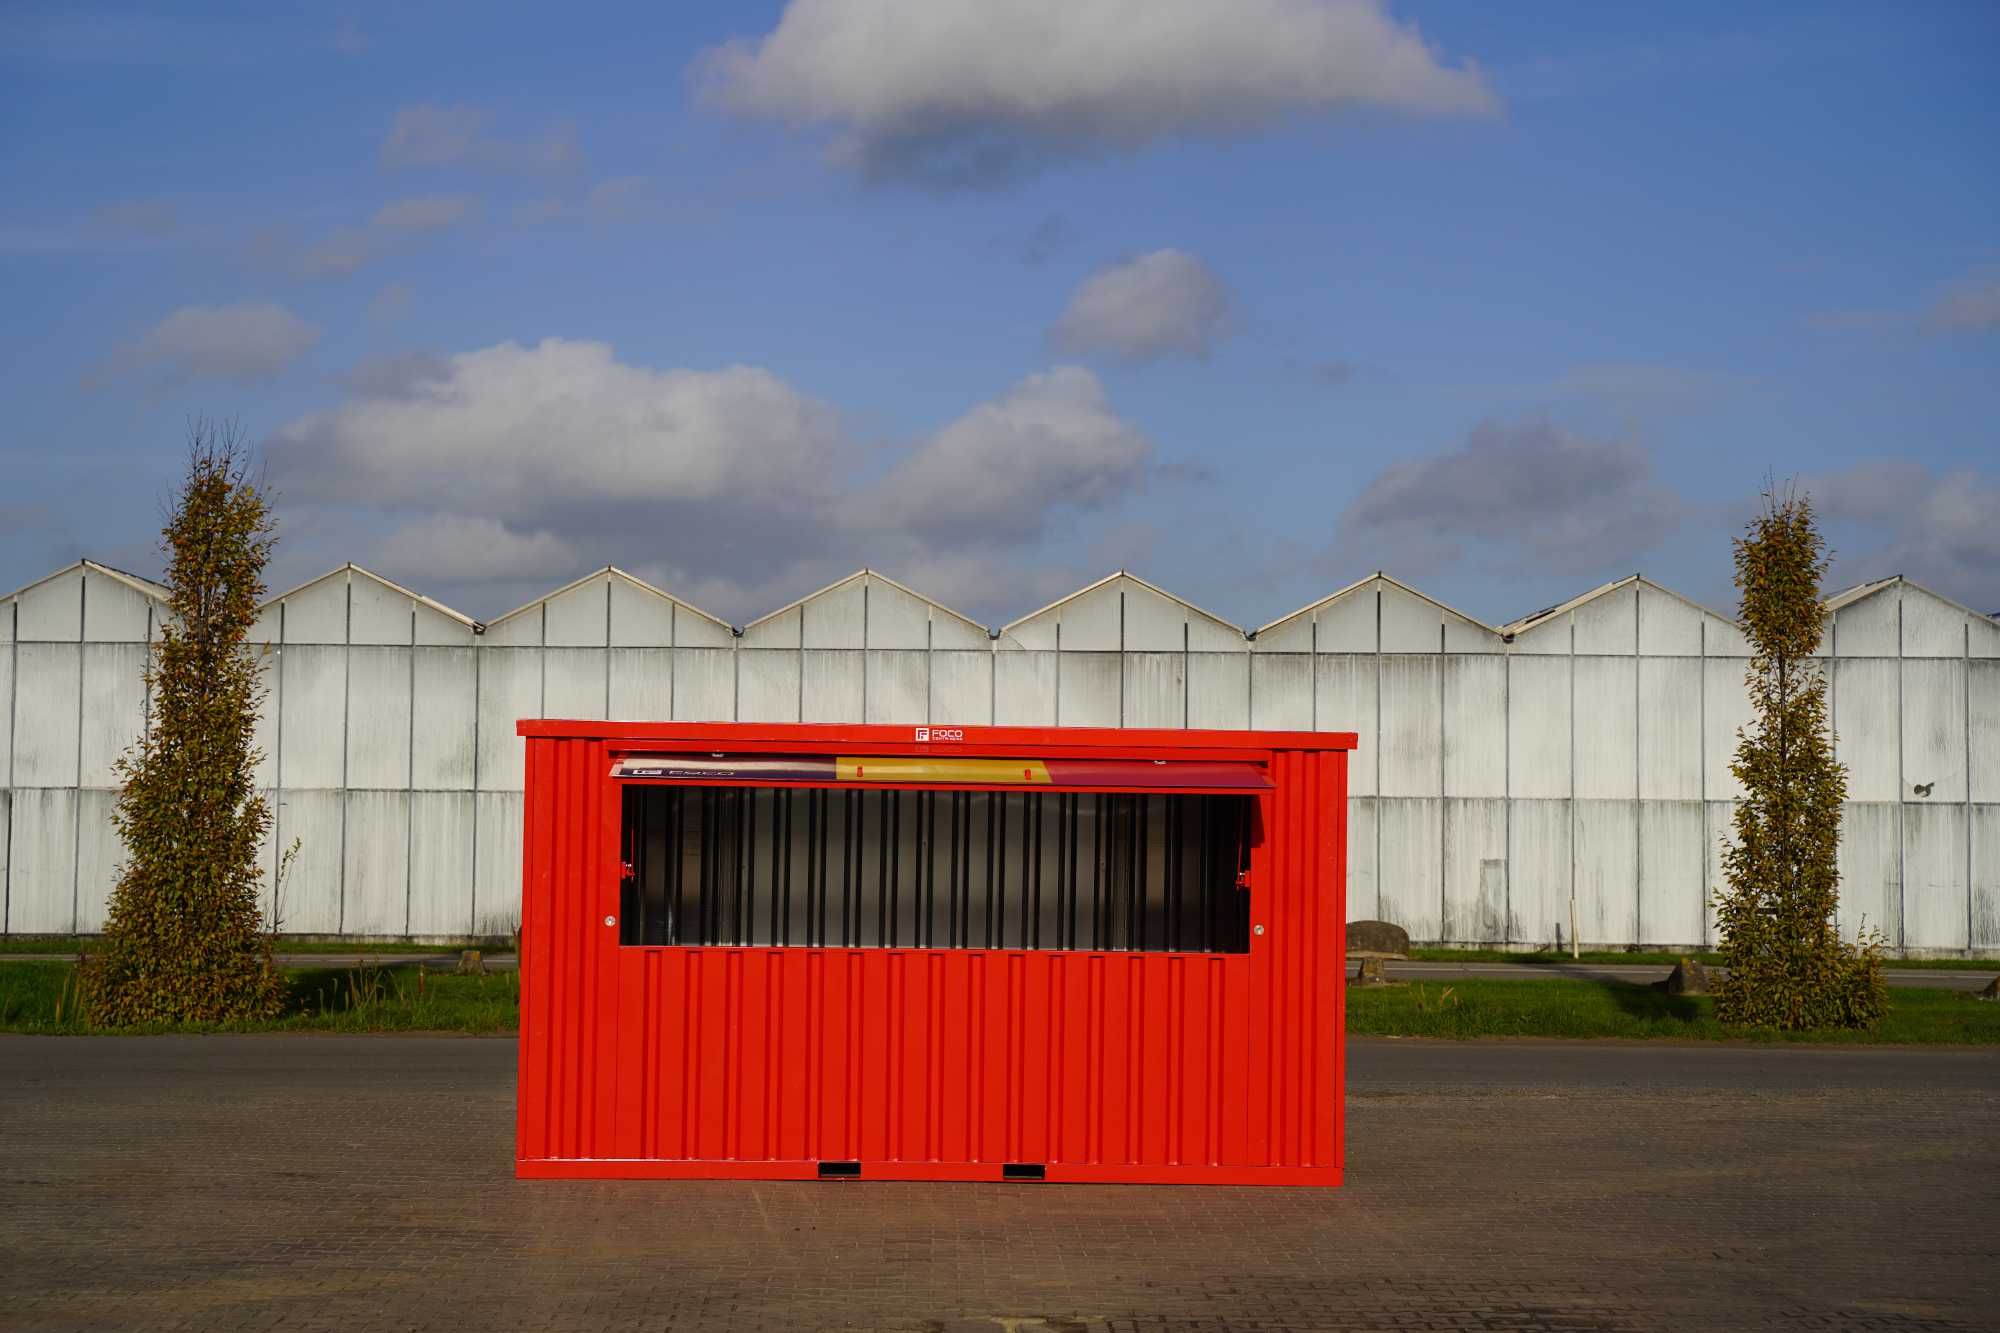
(1588, 746)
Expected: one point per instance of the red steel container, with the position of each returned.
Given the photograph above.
(929, 953)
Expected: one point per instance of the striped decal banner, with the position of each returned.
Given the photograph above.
(920, 770)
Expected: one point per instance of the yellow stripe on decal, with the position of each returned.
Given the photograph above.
(890, 768)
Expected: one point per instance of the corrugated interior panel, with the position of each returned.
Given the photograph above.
(720, 865)
(768, 1060)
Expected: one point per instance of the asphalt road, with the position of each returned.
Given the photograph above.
(364, 1183)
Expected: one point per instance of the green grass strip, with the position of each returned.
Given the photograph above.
(40, 997)
(1563, 1007)
(1655, 958)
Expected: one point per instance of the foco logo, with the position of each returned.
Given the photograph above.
(940, 733)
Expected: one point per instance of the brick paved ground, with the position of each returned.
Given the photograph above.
(363, 1183)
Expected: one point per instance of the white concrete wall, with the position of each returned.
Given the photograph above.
(1587, 756)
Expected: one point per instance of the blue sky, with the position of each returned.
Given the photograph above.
(1251, 299)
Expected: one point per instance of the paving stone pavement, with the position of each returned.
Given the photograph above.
(307, 1183)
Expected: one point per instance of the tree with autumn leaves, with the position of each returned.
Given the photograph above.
(184, 942)
(1787, 966)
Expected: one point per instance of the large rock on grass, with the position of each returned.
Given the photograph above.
(1381, 939)
(1688, 978)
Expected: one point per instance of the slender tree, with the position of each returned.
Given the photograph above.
(1787, 966)
(183, 942)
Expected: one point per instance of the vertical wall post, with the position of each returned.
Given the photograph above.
(410, 784)
(13, 693)
(346, 711)
(1902, 789)
(76, 789)
(1377, 747)
(1575, 945)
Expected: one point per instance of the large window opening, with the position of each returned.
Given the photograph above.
(716, 865)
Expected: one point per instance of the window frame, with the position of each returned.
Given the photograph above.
(1252, 856)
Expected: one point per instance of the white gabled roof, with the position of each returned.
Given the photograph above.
(1127, 576)
(1527, 622)
(144, 587)
(643, 586)
(550, 594)
(1863, 591)
(931, 602)
(1833, 602)
(390, 584)
(611, 571)
(1534, 618)
(1360, 583)
(1860, 591)
(866, 573)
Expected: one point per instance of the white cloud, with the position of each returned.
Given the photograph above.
(427, 134)
(1526, 496)
(511, 430)
(997, 471)
(1168, 303)
(1970, 305)
(239, 344)
(430, 212)
(399, 375)
(1935, 527)
(457, 548)
(964, 91)
(345, 251)
(729, 485)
